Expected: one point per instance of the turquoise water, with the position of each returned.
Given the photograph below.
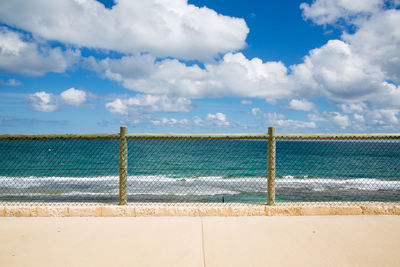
(199, 170)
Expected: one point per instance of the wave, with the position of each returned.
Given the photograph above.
(196, 186)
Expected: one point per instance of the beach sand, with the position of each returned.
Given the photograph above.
(201, 241)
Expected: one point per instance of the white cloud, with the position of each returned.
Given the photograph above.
(117, 107)
(10, 82)
(358, 73)
(73, 97)
(22, 56)
(330, 11)
(378, 40)
(234, 75)
(377, 120)
(279, 120)
(218, 119)
(256, 111)
(384, 117)
(171, 122)
(301, 104)
(294, 124)
(338, 73)
(246, 102)
(163, 28)
(359, 118)
(354, 107)
(341, 121)
(342, 71)
(333, 71)
(47, 102)
(364, 66)
(149, 104)
(198, 121)
(42, 101)
(334, 118)
(273, 116)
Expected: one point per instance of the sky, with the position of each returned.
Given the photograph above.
(199, 66)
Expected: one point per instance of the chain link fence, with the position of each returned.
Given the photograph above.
(253, 168)
(330, 168)
(59, 168)
(189, 170)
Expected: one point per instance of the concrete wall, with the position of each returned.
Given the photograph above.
(142, 210)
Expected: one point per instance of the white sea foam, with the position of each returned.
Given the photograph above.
(163, 185)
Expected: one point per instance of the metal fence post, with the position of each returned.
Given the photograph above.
(123, 165)
(271, 165)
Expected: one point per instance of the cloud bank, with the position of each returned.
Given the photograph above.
(161, 27)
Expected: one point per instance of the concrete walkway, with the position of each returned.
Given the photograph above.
(201, 241)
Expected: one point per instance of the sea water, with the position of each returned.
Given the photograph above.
(199, 170)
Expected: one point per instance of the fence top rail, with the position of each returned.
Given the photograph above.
(197, 136)
(337, 136)
(393, 136)
(58, 136)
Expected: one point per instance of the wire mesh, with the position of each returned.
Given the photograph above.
(199, 169)
(337, 170)
(205, 171)
(59, 170)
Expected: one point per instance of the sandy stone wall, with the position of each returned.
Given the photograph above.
(143, 210)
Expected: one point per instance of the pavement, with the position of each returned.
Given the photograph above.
(201, 241)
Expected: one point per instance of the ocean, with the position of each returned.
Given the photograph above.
(205, 171)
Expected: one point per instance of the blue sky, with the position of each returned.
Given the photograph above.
(86, 66)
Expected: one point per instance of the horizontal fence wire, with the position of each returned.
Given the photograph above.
(199, 168)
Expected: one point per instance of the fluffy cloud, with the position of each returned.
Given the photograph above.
(227, 77)
(377, 39)
(148, 104)
(336, 72)
(47, 102)
(171, 122)
(279, 120)
(354, 107)
(384, 117)
(333, 118)
(341, 121)
(359, 73)
(42, 101)
(73, 97)
(218, 119)
(330, 11)
(117, 107)
(163, 28)
(20, 55)
(301, 104)
(377, 120)
(364, 65)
